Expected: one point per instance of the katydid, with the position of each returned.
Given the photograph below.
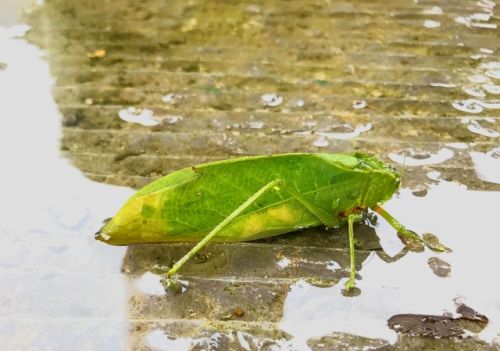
(257, 197)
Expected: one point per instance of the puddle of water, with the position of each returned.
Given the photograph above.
(46, 253)
(140, 116)
(59, 287)
(469, 106)
(283, 262)
(412, 157)
(492, 88)
(442, 85)
(487, 165)
(150, 284)
(459, 146)
(349, 133)
(157, 340)
(473, 91)
(271, 100)
(235, 340)
(431, 24)
(389, 289)
(483, 86)
(358, 105)
(475, 126)
(434, 10)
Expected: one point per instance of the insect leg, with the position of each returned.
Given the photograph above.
(330, 220)
(351, 283)
(412, 240)
(217, 229)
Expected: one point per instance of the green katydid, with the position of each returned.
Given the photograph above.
(257, 197)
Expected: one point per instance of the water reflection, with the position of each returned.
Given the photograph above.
(487, 165)
(144, 117)
(390, 289)
(59, 287)
(413, 157)
(48, 253)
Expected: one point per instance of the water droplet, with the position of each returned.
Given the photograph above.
(492, 105)
(136, 115)
(475, 127)
(460, 146)
(470, 106)
(413, 157)
(490, 65)
(463, 20)
(333, 266)
(473, 91)
(434, 10)
(173, 119)
(487, 5)
(432, 24)
(471, 21)
(478, 78)
(493, 73)
(349, 133)
(419, 192)
(480, 17)
(271, 100)
(492, 88)
(443, 85)
(359, 104)
(256, 124)
(309, 124)
(283, 262)
(434, 175)
(321, 142)
(484, 25)
(486, 51)
(170, 98)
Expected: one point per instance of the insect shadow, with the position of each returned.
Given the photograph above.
(225, 276)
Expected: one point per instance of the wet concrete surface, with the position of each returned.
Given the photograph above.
(98, 97)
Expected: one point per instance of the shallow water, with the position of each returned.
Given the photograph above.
(67, 119)
(409, 285)
(60, 288)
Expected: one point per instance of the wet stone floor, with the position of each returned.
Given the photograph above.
(100, 97)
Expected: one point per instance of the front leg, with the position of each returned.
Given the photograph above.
(411, 239)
